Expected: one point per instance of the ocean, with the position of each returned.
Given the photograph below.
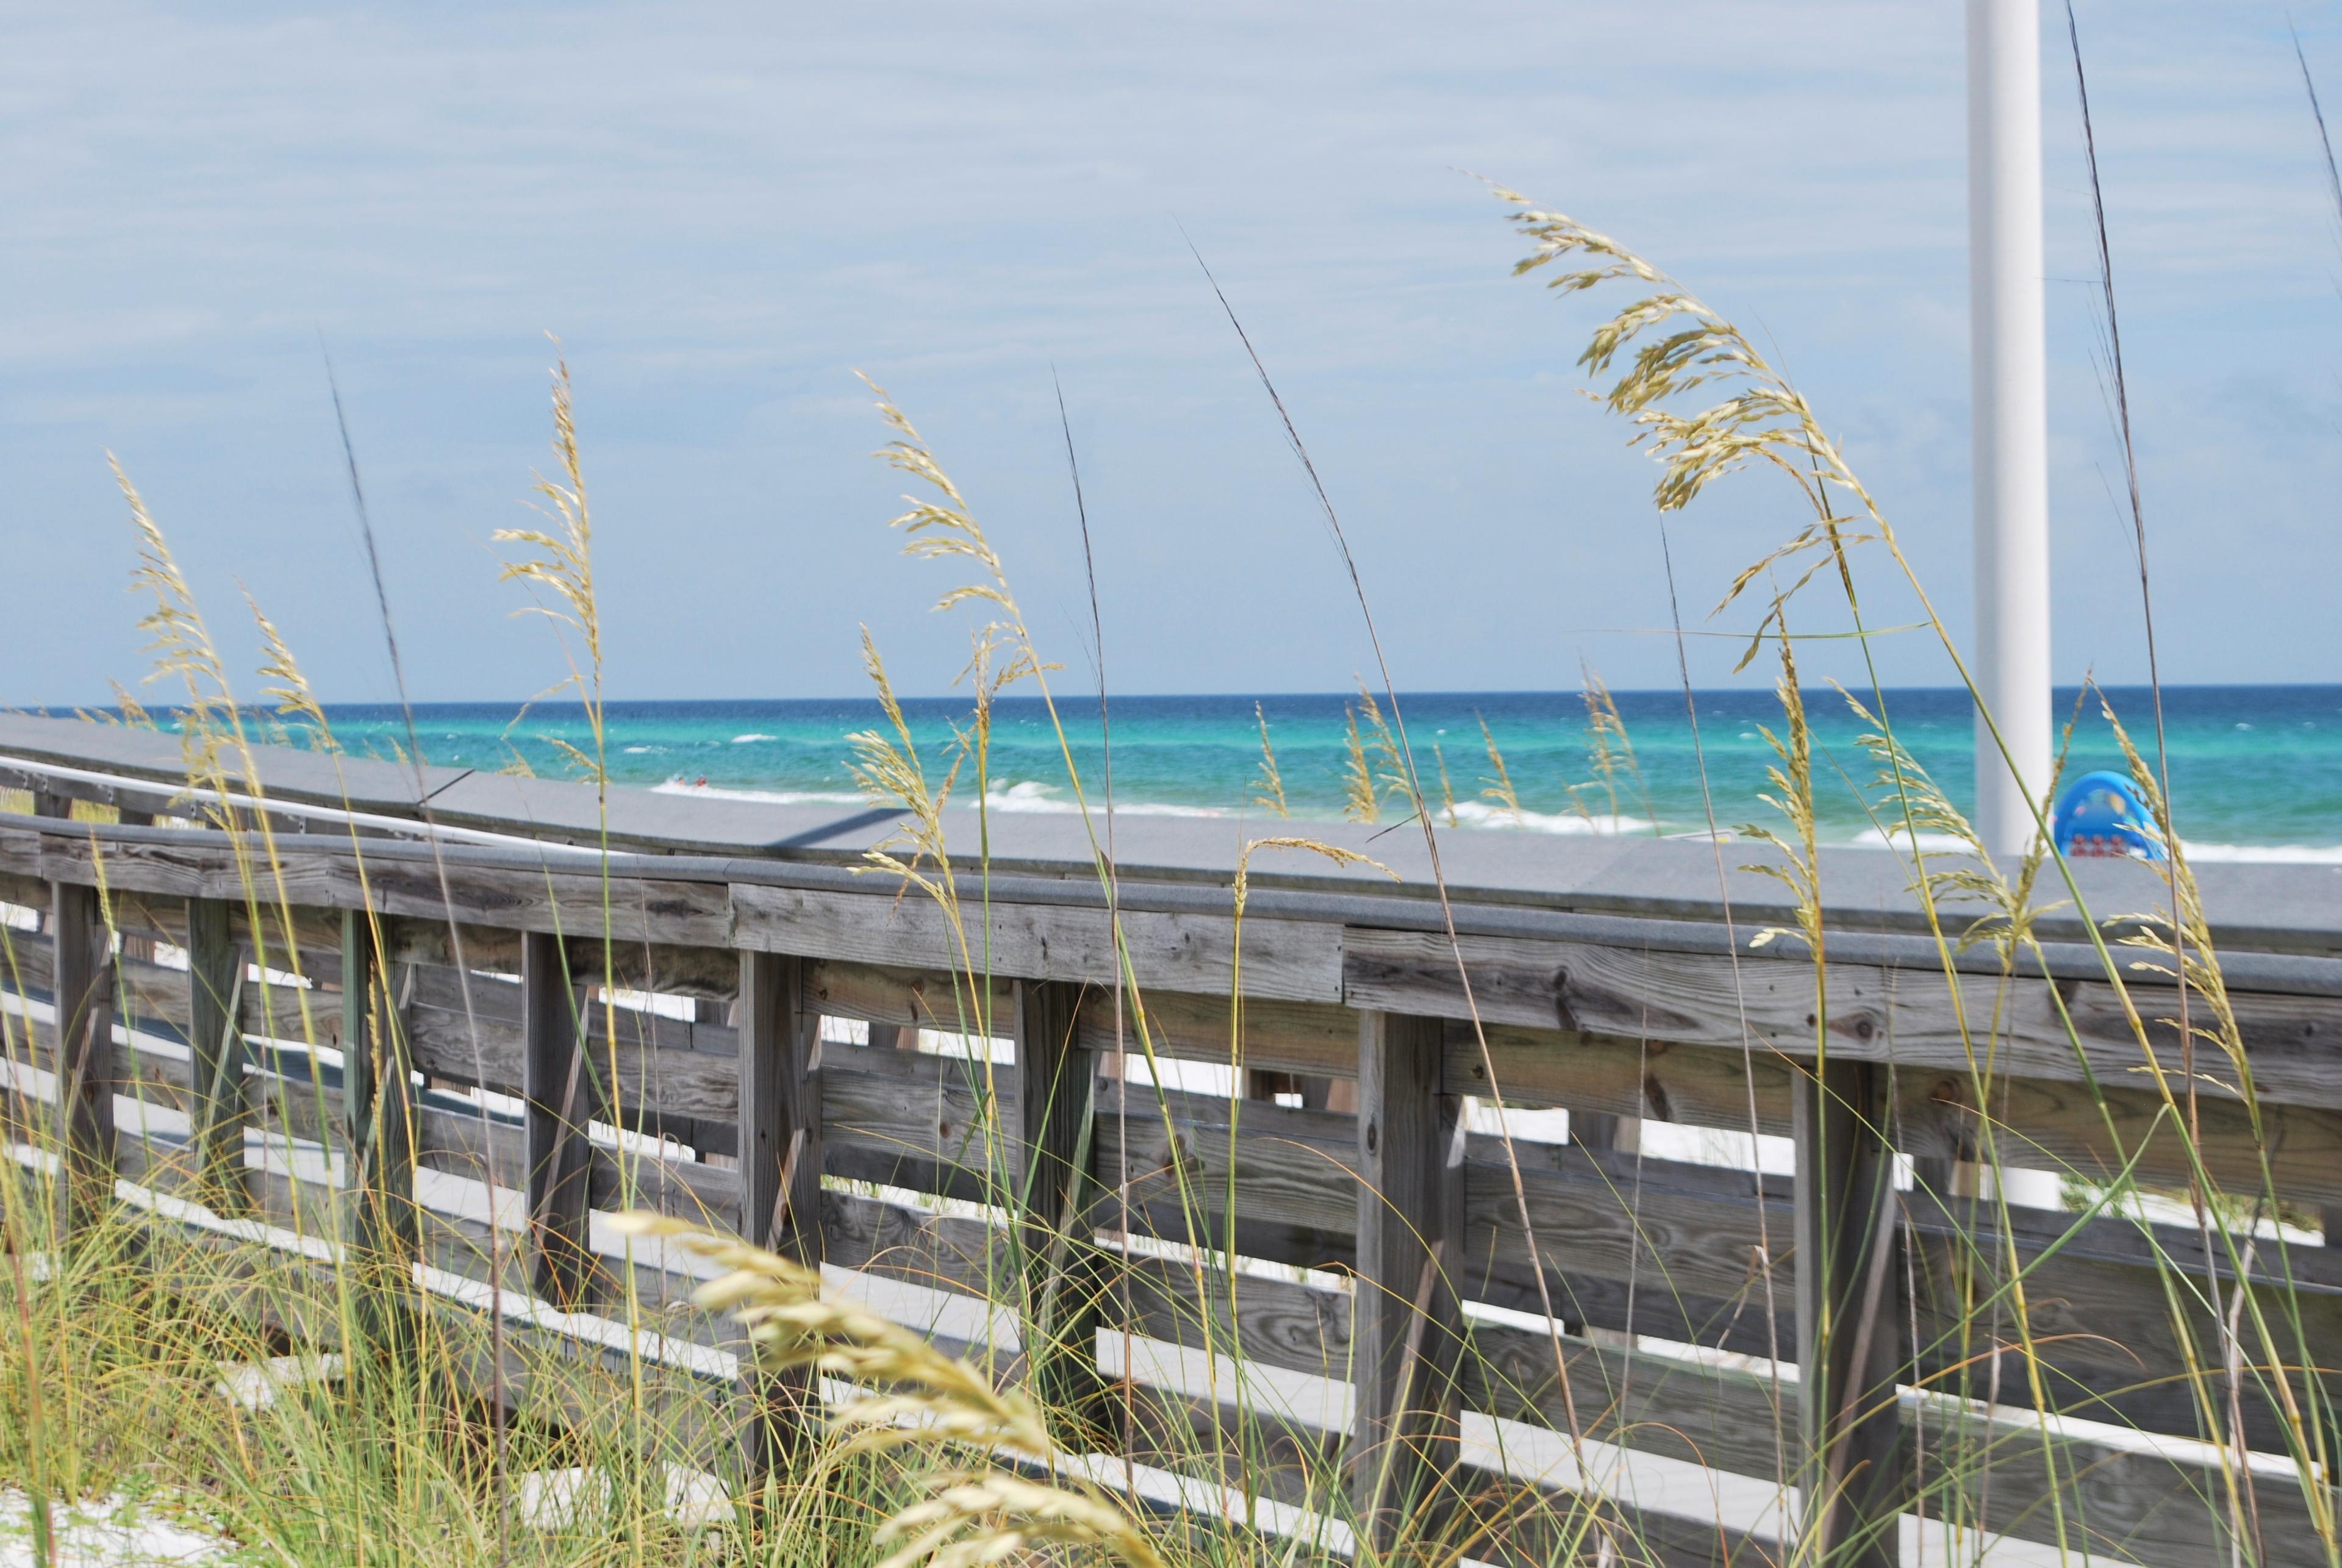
(2256, 770)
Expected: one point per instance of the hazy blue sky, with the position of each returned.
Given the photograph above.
(725, 209)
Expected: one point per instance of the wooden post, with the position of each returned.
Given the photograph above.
(704, 1134)
(1056, 1104)
(135, 944)
(1848, 1343)
(215, 1043)
(780, 1166)
(377, 1089)
(82, 993)
(554, 1086)
(1404, 1345)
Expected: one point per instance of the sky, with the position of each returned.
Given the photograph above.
(724, 212)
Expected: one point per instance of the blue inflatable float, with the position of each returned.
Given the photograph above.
(2102, 813)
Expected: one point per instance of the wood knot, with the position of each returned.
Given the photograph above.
(1562, 1017)
(1373, 1136)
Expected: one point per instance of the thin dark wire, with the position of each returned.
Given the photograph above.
(1430, 836)
(2325, 140)
(455, 931)
(2155, 685)
(1113, 892)
(1739, 1000)
(2122, 414)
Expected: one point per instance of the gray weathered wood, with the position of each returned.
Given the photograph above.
(1191, 953)
(82, 997)
(2099, 1136)
(2052, 1125)
(1849, 1330)
(1056, 1100)
(893, 996)
(1908, 1016)
(780, 1109)
(1314, 1038)
(575, 903)
(780, 1168)
(214, 982)
(553, 1089)
(2125, 1502)
(379, 1101)
(1410, 1219)
(1684, 1244)
(669, 1069)
(2121, 1499)
(155, 995)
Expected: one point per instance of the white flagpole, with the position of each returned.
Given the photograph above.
(2010, 404)
(2008, 383)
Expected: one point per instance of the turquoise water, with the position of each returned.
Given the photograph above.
(2255, 770)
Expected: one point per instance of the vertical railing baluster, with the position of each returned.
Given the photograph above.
(553, 1088)
(1057, 1106)
(378, 1099)
(215, 1049)
(780, 1166)
(82, 993)
(1847, 1342)
(1404, 1341)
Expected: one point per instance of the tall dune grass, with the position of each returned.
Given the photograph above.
(418, 1450)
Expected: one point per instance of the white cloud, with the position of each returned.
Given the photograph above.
(723, 207)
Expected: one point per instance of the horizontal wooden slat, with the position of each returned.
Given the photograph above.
(2040, 1123)
(1190, 952)
(2097, 1135)
(910, 1120)
(1699, 1086)
(907, 998)
(1675, 1250)
(1910, 1017)
(573, 903)
(1682, 1240)
(942, 1251)
(2123, 1499)
(2139, 1505)
(658, 1074)
(1684, 1263)
(1318, 1039)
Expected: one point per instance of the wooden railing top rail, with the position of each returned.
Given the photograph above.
(1662, 893)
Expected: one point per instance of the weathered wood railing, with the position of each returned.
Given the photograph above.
(1602, 980)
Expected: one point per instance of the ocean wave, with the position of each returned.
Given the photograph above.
(747, 740)
(1032, 797)
(2296, 854)
(765, 796)
(1477, 814)
(642, 751)
(1932, 843)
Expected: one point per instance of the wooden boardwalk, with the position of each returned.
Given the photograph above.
(451, 923)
